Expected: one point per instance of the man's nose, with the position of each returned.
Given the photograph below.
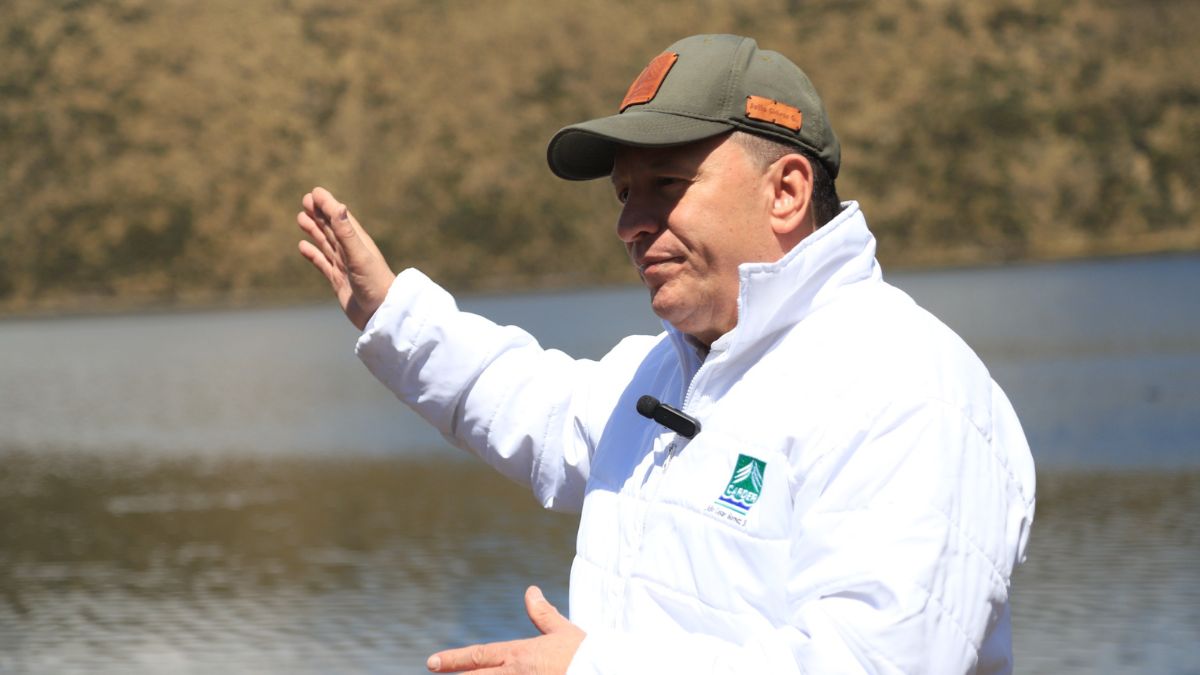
(635, 222)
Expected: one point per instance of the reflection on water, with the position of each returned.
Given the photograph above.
(264, 566)
(1112, 584)
(270, 382)
(321, 565)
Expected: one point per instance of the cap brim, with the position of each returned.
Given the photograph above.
(585, 151)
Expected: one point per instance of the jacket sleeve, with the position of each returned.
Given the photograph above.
(903, 543)
(533, 414)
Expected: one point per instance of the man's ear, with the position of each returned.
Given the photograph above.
(791, 206)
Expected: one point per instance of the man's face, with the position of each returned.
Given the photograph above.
(691, 214)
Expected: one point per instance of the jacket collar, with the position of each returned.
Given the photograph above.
(775, 296)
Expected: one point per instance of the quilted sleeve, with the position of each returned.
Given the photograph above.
(533, 414)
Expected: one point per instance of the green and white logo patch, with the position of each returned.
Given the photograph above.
(745, 486)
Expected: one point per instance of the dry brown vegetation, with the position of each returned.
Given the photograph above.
(155, 151)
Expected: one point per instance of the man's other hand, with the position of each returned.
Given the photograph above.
(343, 251)
(548, 654)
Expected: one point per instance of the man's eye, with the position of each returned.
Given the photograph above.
(623, 195)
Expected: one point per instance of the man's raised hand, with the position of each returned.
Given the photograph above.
(343, 251)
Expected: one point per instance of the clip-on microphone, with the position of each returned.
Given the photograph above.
(669, 416)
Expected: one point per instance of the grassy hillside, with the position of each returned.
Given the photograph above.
(155, 152)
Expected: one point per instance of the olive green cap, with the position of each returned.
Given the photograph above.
(699, 87)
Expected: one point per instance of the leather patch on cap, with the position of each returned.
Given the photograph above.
(646, 86)
(767, 110)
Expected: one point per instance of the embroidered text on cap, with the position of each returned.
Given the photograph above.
(767, 110)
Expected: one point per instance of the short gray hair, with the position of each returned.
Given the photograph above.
(765, 152)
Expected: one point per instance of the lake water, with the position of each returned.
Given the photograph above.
(182, 493)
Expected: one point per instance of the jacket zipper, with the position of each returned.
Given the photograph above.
(675, 447)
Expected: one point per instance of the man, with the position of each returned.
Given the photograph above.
(859, 490)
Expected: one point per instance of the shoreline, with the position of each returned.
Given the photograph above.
(202, 301)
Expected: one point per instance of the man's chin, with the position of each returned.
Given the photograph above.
(668, 311)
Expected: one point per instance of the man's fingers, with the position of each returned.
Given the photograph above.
(323, 225)
(321, 262)
(337, 215)
(307, 202)
(318, 236)
(310, 206)
(363, 236)
(467, 659)
(545, 616)
(358, 272)
(343, 228)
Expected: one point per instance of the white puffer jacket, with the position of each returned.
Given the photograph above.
(856, 501)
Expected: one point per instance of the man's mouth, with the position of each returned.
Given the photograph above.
(656, 264)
